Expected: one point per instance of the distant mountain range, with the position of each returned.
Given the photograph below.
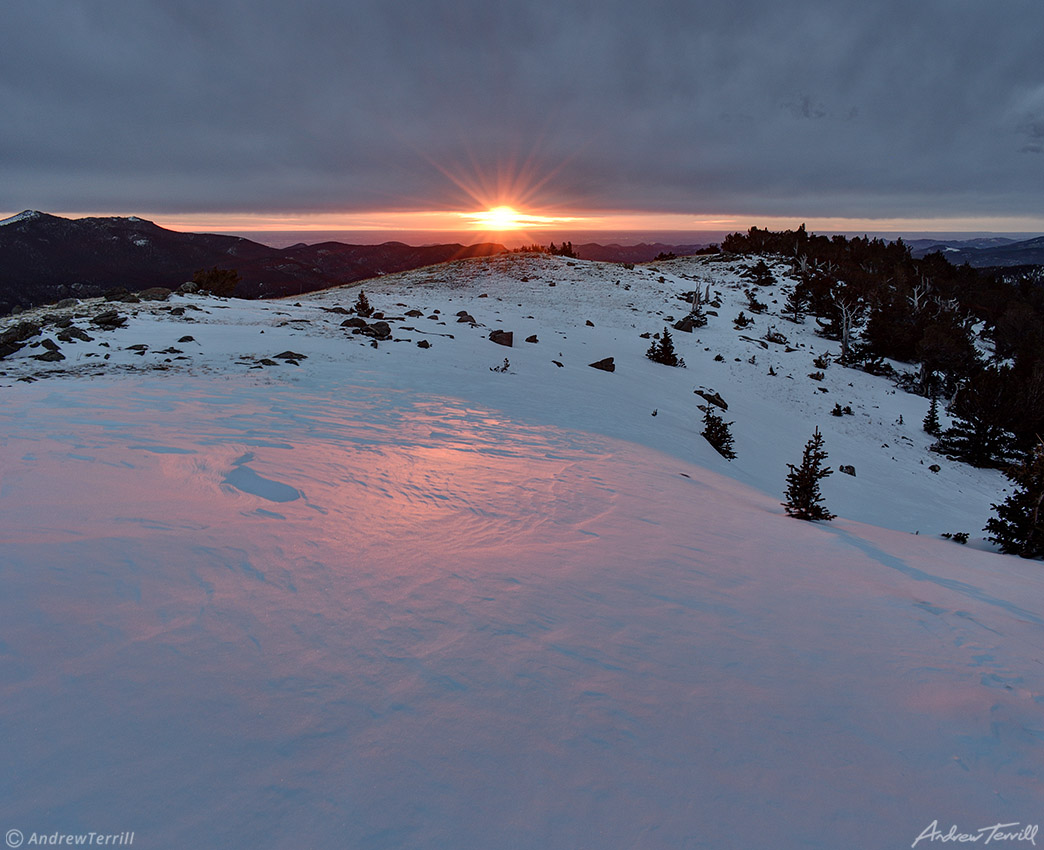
(44, 258)
(985, 252)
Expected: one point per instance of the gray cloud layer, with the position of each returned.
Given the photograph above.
(807, 108)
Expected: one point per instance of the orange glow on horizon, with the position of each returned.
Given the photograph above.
(458, 222)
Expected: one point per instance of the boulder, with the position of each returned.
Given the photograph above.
(606, 365)
(712, 397)
(71, 333)
(378, 330)
(109, 320)
(49, 356)
(154, 293)
(847, 469)
(502, 338)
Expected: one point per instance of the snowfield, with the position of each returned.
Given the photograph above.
(272, 586)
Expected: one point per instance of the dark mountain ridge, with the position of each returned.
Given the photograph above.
(991, 252)
(45, 257)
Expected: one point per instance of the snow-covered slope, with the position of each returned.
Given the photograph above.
(389, 597)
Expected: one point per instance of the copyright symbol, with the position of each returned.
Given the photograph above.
(14, 838)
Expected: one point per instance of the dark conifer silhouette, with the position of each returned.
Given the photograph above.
(662, 351)
(717, 433)
(804, 499)
(931, 418)
(1018, 527)
(362, 306)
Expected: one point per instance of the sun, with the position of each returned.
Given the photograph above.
(505, 218)
(500, 218)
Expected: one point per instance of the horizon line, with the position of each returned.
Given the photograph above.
(460, 224)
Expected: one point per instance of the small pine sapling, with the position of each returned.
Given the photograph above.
(742, 321)
(662, 351)
(716, 432)
(804, 499)
(795, 306)
(931, 418)
(362, 306)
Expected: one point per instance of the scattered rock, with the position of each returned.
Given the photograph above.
(354, 322)
(265, 361)
(72, 333)
(502, 338)
(464, 316)
(378, 330)
(17, 334)
(139, 347)
(712, 397)
(414, 314)
(423, 344)
(606, 365)
(155, 293)
(589, 323)
(109, 320)
(847, 469)
(188, 288)
(116, 293)
(935, 468)
(559, 365)
(532, 338)
(65, 303)
(340, 310)
(50, 356)
(291, 355)
(187, 339)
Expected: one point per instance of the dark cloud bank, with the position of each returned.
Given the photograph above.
(747, 107)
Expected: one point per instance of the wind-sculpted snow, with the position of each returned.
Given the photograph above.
(468, 630)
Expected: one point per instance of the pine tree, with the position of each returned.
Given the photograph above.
(795, 306)
(1018, 527)
(362, 306)
(931, 418)
(716, 431)
(803, 495)
(978, 434)
(662, 350)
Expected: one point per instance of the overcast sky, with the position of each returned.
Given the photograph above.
(855, 108)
